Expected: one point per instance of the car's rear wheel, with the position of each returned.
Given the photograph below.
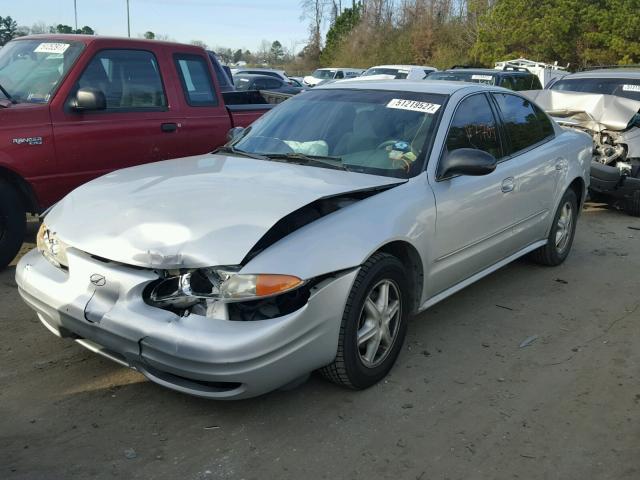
(562, 232)
(374, 324)
(13, 223)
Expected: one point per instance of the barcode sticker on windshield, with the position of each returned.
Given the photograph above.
(481, 77)
(51, 48)
(631, 88)
(413, 105)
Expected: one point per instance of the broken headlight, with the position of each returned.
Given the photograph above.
(51, 247)
(185, 290)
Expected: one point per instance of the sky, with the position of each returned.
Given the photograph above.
(218, 23)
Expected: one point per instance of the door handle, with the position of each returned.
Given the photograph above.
(508, 184)
(169, 127)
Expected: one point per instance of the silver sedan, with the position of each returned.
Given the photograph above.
(307, 242)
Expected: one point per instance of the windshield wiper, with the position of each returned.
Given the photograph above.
(240, 153)
(317, 160)
(6, 94)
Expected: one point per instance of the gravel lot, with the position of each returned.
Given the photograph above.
(465, 400)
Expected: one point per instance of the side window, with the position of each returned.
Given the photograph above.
(195, 78)
(273, 83)
(129, 79)
(524, 123)
(474, 126)
(260, 84)
(221, 75)
(339, 74)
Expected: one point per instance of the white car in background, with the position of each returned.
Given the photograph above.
(398, 72)
(324, 74)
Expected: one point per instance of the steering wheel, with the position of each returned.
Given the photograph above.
(386, 144)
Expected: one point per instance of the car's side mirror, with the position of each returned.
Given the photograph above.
(234, 133)
(467, 161)
(89, 99)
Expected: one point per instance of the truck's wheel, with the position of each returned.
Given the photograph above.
(373, 326)
(632, 204)
(562, 232)
(13, 223)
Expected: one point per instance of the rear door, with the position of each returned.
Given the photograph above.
(474, 213)
(206, 119)
(129, 132)
(537, 161)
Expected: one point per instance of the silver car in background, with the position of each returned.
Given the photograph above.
(307, 242)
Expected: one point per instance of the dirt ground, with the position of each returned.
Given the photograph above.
(465, 400)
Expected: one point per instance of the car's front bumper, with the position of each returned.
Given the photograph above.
(194, 354)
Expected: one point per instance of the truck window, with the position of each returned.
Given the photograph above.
(129, 79)
(196, 81)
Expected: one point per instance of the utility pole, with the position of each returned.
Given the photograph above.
(128, 21)
(75, 12)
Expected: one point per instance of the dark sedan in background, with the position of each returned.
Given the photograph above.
(263, 82)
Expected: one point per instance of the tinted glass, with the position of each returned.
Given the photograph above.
(273, 83)
(522, 82)
(221, 74)
(474, 126)
(377, 132)
(507, 82)
(339, 74)
(196, 80)
(524, 123)
(464, 76)
(129, 79)
(620, 87)
(241, 83)
(31, 70)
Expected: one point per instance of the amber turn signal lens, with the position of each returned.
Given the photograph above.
(272, 284)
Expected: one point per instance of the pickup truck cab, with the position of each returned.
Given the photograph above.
(74, 107)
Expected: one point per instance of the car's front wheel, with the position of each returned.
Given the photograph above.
(562, 232)
(374, 324)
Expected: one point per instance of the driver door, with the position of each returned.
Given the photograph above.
(474, 213)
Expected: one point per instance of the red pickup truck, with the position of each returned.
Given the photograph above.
(74, 107)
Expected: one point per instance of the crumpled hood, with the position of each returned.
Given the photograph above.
(592, 111)
(199, 211)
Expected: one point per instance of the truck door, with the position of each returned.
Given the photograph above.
(206, 120)
(134, 127)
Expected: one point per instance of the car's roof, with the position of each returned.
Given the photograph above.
(486, 71)
(420, 86)
(340, 68)
(633, 73)
(87, 39)
(408, 67)
(260, 69)
(254, 75)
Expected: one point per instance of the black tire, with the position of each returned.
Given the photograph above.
(348, 368)
(632, 204)
(552, 254)
(13, 223)
(599, 197)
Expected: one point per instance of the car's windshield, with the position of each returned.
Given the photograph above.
(461, 76)
(620, 87)
(370, 131)
(323, 74)
(31, 70)
(395, 72)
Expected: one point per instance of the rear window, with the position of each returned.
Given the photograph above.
(196, 80)
(620, 87)
(464, 76)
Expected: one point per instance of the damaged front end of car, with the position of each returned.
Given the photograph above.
(614, 125)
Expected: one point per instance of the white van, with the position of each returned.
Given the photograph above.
(337, 73)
